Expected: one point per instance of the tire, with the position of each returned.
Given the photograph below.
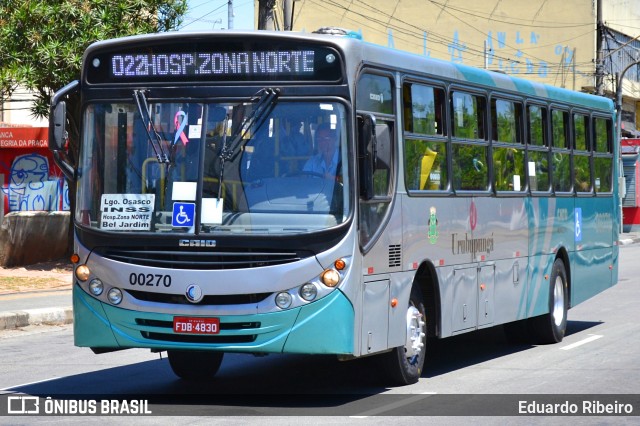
(550, 328)
(404, 364)
(195, 365)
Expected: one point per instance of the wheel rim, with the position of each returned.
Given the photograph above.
(415, 334)
(558, 301)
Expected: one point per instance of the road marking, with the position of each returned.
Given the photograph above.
(581, 342)
(393, 405)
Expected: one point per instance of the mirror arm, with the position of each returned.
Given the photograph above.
(64, 165)
(57, 129)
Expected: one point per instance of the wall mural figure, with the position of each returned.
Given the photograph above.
(29, 187)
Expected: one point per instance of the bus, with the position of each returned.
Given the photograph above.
(454, 199)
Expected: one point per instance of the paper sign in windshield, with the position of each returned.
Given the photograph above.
(126, 212)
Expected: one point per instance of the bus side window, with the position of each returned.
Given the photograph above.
(470, 171)
(561, 157)
(508, 152)
(538, 147)
(424, 109)
(581, 156)
(425, 149)
(468, 116)
(470, 156)
(425, 164)
(603, 157)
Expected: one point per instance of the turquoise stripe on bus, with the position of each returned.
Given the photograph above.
(325, 328)
(103, 325)
(90, 325)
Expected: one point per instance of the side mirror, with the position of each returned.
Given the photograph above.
(57, 127)
(366, 154)
(383, 147)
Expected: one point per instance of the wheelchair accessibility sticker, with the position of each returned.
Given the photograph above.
(183, 214)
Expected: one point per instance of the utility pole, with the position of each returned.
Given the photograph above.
(599, 58)
(266, 14)
(230, 15)
(287, 6)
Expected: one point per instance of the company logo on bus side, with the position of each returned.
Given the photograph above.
(197, 243)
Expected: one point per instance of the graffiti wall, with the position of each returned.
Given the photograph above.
(30, 178)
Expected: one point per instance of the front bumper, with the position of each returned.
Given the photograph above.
(322, 327)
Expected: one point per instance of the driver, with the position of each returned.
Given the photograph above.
(325, 162)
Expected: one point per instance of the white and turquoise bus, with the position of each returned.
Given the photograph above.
(455, 199)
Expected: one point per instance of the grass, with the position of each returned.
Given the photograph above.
(19, 284)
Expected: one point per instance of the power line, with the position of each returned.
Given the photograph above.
(470, 49)
(516, 21)
(204, 16)
(206, 2)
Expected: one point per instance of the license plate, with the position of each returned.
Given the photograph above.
(193, 325)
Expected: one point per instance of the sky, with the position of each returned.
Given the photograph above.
(214, 14)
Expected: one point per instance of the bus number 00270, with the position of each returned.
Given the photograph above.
(151, 280)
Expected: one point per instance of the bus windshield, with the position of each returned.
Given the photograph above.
(272, 167)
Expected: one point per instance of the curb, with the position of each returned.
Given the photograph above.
(44, 316)
(627, 241)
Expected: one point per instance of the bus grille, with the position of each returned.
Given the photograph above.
(194, 338)
(180, 299)
(203, 260)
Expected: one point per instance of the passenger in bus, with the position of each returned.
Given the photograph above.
(325, 162)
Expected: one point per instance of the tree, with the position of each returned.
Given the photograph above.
(42, 43)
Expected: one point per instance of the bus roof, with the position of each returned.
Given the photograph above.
(375, 55)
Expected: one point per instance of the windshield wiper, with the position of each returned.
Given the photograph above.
(265, 101)
(152, 133)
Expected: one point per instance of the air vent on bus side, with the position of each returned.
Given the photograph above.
(202, 259)
(395, 256)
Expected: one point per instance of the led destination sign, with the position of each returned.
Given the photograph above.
(223, 63)
(282, 63)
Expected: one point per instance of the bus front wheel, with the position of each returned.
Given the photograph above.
(195, 365)
(404, 364)
(550, 328)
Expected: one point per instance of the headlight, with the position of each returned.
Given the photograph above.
(83, 272)
(96, 287)
(308, 292)
(115, 296)
(283, 300)
(330, 277)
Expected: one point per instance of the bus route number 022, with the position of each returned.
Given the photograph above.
(150, 280)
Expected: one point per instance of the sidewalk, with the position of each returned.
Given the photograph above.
(37, 294)
(49, 284)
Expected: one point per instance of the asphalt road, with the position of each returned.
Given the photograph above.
(477, 373)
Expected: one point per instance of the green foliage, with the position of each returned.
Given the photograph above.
(42, 43)
(561, 171)
(470, 170)
(507, 163)
(603, 167)
(415, 151)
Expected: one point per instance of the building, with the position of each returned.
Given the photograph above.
(554, 42)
